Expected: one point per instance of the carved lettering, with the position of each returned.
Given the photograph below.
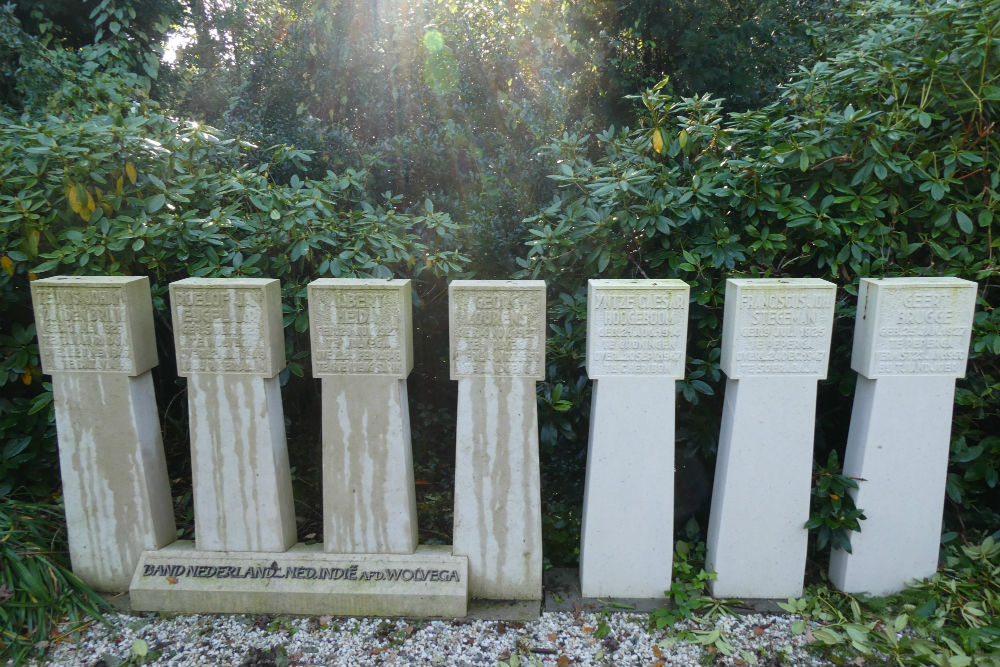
(83, 328)
(498, 331)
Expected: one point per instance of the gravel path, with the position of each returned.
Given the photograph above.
(562, 639)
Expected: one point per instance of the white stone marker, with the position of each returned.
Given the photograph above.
(911, 341)
(497, 340)
(95, 336)
(230, 347)
(636, 339)
(362, 348)
(775, 347)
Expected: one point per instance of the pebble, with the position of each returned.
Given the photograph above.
(561, 639)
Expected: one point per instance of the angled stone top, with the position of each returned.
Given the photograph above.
(361, 327)
(96, 324)
(777, 326)
(913, 326)
(636, 328)
(497, 328)
(228, 326)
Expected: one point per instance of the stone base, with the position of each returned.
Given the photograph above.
(302, 580)
(898, 444)
(760, 503)
(626, 549)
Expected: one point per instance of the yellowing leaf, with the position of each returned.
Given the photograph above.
(32, 275)
(91, 206)
(682, 138)
(8, 265)
(73, 195)
(118, 185)
(26, 378)
(130, 172)
(657, 141)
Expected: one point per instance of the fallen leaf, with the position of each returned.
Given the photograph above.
(588, 628)
(658, 663)
(553, 637)
(563, 661)
(741, 663)
(657, 651)
(172, 580)
(757, 630)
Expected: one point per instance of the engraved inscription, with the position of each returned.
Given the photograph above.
(498, 332)
(921, 331)
(359, 331)
(637, 332)
(83, 328)
(783, 332)
(275, 571)
(220, 330)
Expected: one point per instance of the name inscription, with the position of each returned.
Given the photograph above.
(778, 328)
(359, 331)
(220, 330)
(83, 328)
(638, 329)
(497, 331)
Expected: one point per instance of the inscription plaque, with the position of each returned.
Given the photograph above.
(94, 324)
(636, 327)
(228, 326)
(777, 326)
(497, 328)
(361, 327)
(913, 326)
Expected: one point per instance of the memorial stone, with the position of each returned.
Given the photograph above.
(95, 338)
(497, 342)
(230, 346)
(775, 347)
(636, 339)
(362, 349)
(911, 341)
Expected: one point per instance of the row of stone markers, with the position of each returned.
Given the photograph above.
(96, 340)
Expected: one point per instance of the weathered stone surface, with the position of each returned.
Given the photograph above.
(228, 325)
(636, 328)
(369, 502)
(497, 328)
(913, 326)
(239, 464)
(498, 523)
(361, 327)
(898, 444)
(760, 502)
(302, 580)
(911, 340)
(95, 324)
(626, 549)
(114, 474)
(777, 326)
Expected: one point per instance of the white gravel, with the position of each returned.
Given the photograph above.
(562, 639)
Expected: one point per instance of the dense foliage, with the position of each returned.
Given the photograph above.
(878, 161)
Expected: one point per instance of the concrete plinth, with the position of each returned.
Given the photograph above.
(760, 501)
(114, 474)
(239, 464)
(898, 445)
(95, 337)
(369, 502)
(911, 341)
(626, 549)
(498, 523)
(303, 580)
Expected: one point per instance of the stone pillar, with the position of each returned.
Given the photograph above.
(95, 337)
(230, 347)
(775, 347)
(636, 340)
(362, 348)
(911, 341)
(497, 340)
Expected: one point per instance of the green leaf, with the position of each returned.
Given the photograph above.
(140, 649)
(155, 203)
(964, 221)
